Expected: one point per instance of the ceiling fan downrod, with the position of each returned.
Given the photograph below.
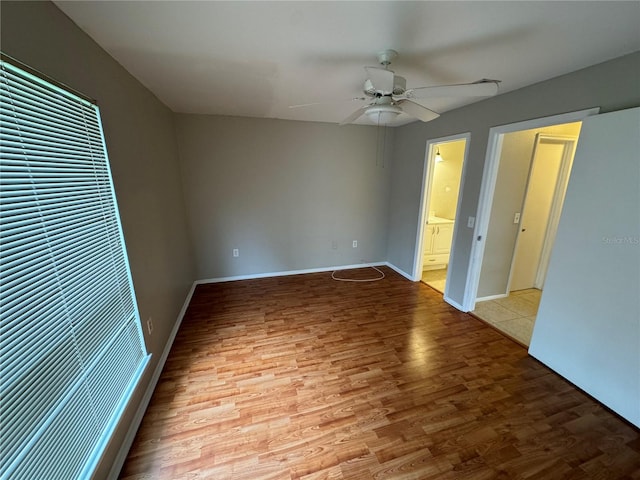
(386, 56)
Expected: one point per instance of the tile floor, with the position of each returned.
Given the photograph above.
(514, 315)
(435, 279)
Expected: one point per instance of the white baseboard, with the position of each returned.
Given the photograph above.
(397, 270)
(142, 407)
(491, 297)
(253, 276)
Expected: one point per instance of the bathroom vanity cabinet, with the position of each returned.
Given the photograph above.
(438, 235)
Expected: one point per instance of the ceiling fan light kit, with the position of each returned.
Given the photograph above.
(383, 114)
(389, 97)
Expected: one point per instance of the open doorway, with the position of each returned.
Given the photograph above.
(532, 177)
(443, 173)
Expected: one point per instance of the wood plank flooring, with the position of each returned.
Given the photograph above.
(303, 377)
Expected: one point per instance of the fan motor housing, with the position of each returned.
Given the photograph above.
(399, 86)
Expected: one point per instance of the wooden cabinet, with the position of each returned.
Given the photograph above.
(437, 243)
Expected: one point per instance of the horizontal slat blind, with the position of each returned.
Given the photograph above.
(71, 347)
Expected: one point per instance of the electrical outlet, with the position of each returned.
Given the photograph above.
(236, 252)
(355, 244)
(471, 221)
(150, 325)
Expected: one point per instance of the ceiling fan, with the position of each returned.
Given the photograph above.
(388, 96)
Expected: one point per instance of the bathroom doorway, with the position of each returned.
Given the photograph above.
(443, 173)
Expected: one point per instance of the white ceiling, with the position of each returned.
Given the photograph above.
(257, 58)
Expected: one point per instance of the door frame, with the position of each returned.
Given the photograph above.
(425, 193)
(488, 185)
(569, 147)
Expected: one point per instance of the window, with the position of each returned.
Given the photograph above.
(71, 345)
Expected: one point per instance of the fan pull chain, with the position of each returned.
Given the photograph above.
(384, 144)
(378, 140)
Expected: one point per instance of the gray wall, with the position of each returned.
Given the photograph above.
(282, 192)
(588, 324)
(142, 150)
(612, 86)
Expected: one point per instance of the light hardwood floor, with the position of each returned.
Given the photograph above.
(303, 377)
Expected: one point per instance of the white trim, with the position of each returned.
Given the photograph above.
(487, 189)
(427, 178)
(491, 297)
(253, 276)
(401, 272)
(144, 403)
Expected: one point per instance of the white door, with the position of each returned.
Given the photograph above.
(534, 221)
(588, 324)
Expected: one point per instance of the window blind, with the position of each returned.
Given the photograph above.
(71, 345)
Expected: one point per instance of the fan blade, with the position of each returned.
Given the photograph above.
(416, 110)
(483, 88)
(329, 102)
(302, 105)
(381, 79)
(354, 116)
